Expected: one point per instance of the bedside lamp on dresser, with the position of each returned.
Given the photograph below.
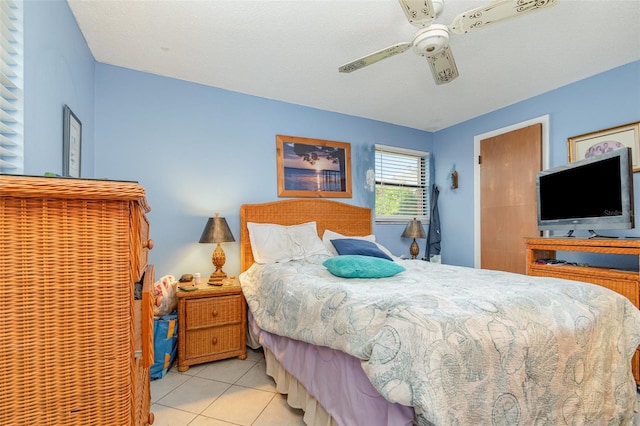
(414, 230)
(217, 231)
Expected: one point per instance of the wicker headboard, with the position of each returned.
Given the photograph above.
(339, 217)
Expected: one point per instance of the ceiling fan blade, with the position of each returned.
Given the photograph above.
(374, 57)
(419, 12)
(495, 12)
(443, 67)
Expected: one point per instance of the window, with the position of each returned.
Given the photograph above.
(11, 110)
(402, 182)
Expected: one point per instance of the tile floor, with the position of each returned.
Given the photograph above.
(227, 392)
(221, 393)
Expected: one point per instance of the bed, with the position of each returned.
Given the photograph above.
(432, 344)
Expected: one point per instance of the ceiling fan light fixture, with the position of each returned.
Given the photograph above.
(431, 41)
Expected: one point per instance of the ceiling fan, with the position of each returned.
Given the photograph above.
(432, 40)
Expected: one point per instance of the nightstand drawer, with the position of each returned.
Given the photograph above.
(215, 340)
(214, 311)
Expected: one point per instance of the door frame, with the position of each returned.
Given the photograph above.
(544, 120)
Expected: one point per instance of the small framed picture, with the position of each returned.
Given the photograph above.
(313, 167)
(71, 144)
(596, 143)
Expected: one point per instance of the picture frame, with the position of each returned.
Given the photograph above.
(71, 144)
(594, 143)
(313, 167)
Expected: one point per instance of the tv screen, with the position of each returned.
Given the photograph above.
(596, 193)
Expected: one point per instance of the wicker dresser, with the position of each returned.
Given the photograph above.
(627, 283)
(76, 347)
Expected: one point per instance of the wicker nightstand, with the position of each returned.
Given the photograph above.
(212, 323)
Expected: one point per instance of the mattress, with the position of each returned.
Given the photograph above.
(462, 345)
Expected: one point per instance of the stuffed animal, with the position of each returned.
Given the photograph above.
(165, 295)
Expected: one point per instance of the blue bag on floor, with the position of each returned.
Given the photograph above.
(165, 344)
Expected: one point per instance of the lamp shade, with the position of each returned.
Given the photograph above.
(216, 231)
(414, 229)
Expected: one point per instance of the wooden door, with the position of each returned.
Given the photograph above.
(508, 166)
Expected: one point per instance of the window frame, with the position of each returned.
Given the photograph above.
(425, 176)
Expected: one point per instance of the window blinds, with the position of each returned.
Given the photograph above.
(401, 184)
(11, 110)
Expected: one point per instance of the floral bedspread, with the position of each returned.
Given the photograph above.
(465, 346)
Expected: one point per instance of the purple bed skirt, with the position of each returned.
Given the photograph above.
(336, 380)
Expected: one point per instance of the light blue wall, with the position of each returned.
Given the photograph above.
(58, 70)
(605, 100)
(198, 150)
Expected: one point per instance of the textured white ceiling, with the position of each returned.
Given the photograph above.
(290, 51)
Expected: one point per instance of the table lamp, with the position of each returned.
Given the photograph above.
(217, 231)
(414, 230)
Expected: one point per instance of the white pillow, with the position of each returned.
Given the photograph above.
(330, 235)
(272, 243)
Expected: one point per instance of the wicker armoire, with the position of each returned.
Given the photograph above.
(75, 346)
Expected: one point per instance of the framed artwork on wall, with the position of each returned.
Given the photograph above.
(71, 143)
(313, 167)
(596, 143)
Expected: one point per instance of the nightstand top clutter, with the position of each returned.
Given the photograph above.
(188, 289)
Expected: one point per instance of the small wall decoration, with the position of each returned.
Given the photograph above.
(71, 143)
(596, 143)
(454, 180)
(313, 167)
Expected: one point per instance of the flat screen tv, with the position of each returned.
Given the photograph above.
(592, 194)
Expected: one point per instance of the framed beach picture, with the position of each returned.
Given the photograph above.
(596, 143)
(313, 167)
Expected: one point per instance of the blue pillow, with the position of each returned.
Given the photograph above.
(355, 266)
(357, 246)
